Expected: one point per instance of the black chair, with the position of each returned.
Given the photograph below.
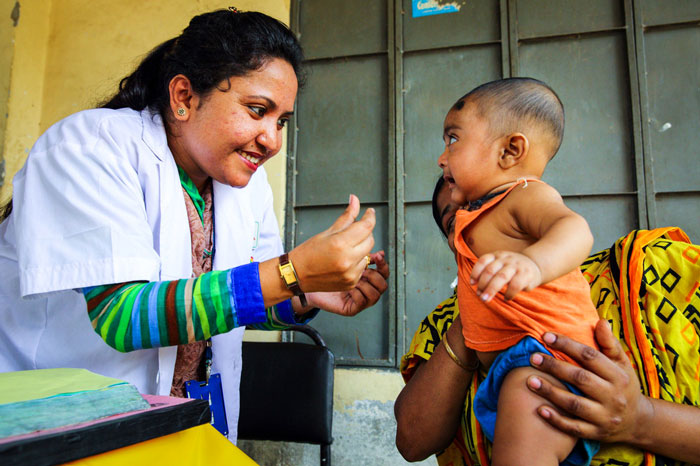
(287, 392)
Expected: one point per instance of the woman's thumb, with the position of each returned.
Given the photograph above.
(609, 345)
(348, 217)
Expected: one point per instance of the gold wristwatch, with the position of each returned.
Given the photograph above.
(289, 275)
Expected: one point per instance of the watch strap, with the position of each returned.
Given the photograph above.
(289, 276)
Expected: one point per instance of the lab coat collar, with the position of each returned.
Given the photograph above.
(153, 133)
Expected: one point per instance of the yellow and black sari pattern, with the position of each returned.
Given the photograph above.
(647, 285)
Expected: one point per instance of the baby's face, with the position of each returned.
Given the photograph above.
(470, 160)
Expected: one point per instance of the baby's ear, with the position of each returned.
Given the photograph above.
(514, 150)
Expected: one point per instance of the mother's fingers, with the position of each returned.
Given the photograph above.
(588, 382)
(573, 426)
(609, 345)
(376, 280)
(561, 397)
(382, 266)
(586, 356)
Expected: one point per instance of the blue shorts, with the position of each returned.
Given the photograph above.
(486, 399)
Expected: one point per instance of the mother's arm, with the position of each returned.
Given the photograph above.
(429, 408)
(615, 410)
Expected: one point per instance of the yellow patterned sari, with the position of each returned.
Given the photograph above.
(647, 286)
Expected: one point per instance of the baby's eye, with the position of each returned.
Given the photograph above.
(282, 122)
(259, 111)
(451, 140)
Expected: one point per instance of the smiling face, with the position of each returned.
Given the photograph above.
(230, 132)
(470, 160)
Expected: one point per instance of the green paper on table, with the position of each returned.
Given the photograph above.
(48, 398)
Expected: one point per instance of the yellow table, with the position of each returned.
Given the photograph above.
(202, 445)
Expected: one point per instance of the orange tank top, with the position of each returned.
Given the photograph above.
(562, 305)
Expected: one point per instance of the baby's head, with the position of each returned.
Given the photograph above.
(499, 132)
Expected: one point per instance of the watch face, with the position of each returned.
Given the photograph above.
(288, 274)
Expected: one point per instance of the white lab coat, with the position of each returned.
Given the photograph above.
(99, 201)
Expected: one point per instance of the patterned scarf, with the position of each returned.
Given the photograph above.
(189, 363)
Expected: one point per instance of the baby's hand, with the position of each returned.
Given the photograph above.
(495, 270)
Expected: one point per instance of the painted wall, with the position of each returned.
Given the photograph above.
(68, 55)
(27, 74)
(8, 10)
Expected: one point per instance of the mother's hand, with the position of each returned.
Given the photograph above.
(614, 408)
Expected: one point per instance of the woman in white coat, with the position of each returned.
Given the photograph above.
(144, 229)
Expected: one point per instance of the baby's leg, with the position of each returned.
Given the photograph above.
(521, 435)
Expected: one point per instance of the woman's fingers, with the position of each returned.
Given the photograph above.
(335, 259)
(586, 356)
(588, 382)
(574, 404)
(381, 265)
(357, 232)
(609, 345)
(369, 292)
(575, 427)
(376, 281)
(348, 217)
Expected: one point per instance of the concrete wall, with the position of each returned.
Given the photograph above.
(67, 55)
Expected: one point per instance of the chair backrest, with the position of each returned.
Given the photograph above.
(287, 391)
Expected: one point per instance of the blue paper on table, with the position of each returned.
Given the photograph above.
(47, 398)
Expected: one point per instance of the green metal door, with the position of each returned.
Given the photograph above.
(380, 81)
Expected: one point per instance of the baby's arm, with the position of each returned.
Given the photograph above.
(564, 240)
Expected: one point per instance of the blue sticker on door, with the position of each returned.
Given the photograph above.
(434, 7)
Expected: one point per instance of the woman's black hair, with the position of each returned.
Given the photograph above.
(436, 210)
(214, 47)
(5, 210)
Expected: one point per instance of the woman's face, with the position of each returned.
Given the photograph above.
(448, 209)
(236, 128)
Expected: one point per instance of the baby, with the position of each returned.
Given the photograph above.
(518, 252)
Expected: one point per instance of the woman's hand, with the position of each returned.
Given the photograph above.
(365, 294)
(615, 408)
(334, 260)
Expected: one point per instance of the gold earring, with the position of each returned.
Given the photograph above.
(181, 111)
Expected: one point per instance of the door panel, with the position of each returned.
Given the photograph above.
(342, 139)
(656, 12)
(333, 28)
(681, 210)
(541, 18)
(673, 86)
